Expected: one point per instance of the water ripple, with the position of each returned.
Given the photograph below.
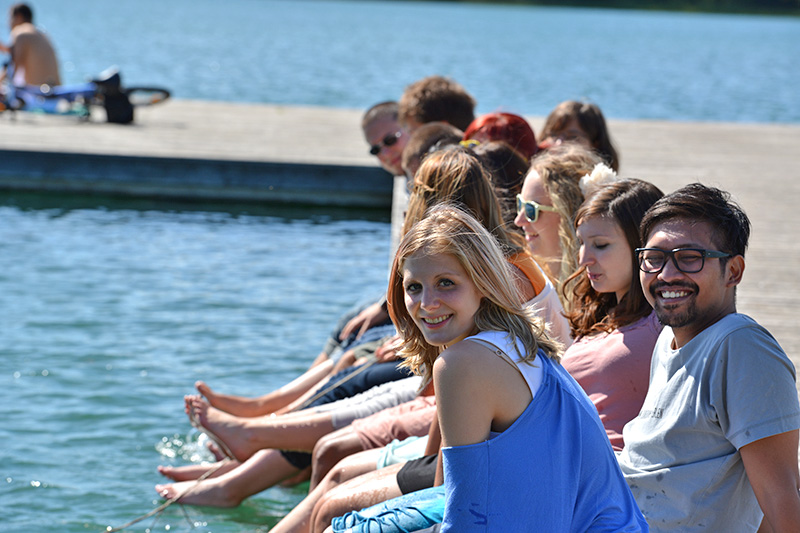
(116, 312)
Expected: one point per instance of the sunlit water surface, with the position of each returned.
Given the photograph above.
(109, 315)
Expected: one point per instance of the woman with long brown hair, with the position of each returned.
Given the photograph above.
(614, 327)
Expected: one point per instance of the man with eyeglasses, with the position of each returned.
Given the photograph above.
(716, 441)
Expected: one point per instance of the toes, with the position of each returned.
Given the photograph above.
(219, 455)
(196, 401)
(165, 471)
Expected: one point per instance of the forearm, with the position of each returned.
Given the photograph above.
(781, 514)
(771, 466)
(434, 438)
(438, 480)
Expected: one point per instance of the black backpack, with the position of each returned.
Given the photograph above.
(118, 107)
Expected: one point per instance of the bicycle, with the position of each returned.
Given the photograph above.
(104, 91)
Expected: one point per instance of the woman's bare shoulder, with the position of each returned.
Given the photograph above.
(471, 361)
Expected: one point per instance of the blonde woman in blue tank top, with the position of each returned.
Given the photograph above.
(523, 447)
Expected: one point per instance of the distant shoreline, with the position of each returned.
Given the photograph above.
(743, 7)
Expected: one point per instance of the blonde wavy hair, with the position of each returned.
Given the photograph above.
(561, 168)
(446, 229)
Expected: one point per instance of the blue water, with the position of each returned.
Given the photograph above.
(109, 314)
(525, 59)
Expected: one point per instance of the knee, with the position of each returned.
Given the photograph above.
(332, 478)
(325, 456)
(328, 508)
(318, 469)
(337, 475)
(345, 361)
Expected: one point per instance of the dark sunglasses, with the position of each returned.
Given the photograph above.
(531, 208)
(389, 140)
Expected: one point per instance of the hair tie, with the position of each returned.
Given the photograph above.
(600, 176)
(469, 143)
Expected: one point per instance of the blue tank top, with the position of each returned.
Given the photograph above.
(553, 470)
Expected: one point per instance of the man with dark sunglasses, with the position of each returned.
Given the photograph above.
(714, 447)
(385, 136)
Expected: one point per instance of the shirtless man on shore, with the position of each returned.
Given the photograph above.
(32, 54)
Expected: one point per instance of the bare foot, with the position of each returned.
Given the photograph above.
(235, 405)
(191, 472)
(188, 400)
(230, 431)
(218, 454)
(209, 492)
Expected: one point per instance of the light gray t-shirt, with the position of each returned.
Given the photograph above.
(729, 386)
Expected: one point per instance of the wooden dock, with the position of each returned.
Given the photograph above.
(317, 155)
(206, 150)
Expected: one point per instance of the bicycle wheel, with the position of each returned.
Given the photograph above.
(141, 96)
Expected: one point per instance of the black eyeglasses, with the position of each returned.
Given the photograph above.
(531, 208)
(389, 140)
(687, 260)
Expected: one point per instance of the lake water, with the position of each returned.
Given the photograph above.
(107, 317)
(110, 310)
(524, 59)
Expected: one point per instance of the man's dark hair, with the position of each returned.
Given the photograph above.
(697, 202)
(437, 98)
(22, 10)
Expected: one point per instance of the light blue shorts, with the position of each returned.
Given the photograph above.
(400, 451)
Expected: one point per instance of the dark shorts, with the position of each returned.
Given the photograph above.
(342, 386)
(417, 474)
(335, 347)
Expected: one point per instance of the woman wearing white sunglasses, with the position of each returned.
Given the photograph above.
(546, 206)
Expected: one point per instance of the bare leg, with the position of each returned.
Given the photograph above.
(189, 472)
(365, 490)
(299, 519)
(321, 358)
(269, 403)
(245, 436)
(301, 476)
(346, 361)
(265, 469)
(331, 449)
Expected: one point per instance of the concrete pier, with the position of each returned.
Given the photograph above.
(317, 155)
(206, 150)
